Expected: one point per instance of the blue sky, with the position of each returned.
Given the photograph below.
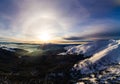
(63, 20)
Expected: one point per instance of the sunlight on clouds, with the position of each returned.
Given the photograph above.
(38, 22)
(37, 16)
(60, 18)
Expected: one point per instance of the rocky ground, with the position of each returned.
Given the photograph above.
(110, 75)
(49, 68)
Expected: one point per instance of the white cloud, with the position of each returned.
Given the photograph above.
(55, 16)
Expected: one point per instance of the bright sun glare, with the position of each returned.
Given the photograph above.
(45, 37)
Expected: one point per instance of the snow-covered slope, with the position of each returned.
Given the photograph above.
(103, 53)
(66, 48)
(69, 47)
(8, 49)
(90, 48)
(111, 75)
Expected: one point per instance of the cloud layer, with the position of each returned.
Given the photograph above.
(62, 19)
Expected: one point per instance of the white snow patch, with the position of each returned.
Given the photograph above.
(89, 48)
(9, 49)
(69, 47)
(63, 53)
(104, 53)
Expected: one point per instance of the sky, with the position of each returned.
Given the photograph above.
(62, 20)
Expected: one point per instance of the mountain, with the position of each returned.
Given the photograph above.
(89, 48)
(10, 53)
(91, 63)
(102, 66)
(104, 54)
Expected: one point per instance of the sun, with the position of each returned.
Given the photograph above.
(45, 37)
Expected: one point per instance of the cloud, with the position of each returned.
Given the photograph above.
(117, 2)
(55, 16)
(97, 30)
(69, 19)
(97, 36)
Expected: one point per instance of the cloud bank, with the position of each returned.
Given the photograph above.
(62, 19)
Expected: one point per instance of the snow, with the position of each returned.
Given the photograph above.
(104, 53)
(112, 51)
(89, 48)
(63, 53)
(111, 75)
(69, 47)
(9, 49)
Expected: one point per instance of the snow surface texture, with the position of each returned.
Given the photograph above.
(66, 48)
(8, 49)
(111, 75)
(89, 48)
(104, 53)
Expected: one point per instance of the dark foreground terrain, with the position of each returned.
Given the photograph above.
(48, 68)
(44, 65)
